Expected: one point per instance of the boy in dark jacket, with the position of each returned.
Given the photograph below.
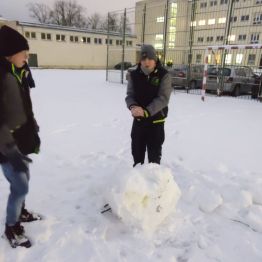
(18, 131)
(148, 93)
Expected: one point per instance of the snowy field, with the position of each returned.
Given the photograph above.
(213, 150)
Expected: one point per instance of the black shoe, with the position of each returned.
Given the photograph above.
(15, 236)
(27, 216)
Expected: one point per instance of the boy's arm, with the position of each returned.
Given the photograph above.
(6, 136)
(130, 99)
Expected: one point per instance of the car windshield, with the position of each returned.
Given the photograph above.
(214, 71)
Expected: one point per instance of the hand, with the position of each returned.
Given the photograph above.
(18, 161)
(137, 111)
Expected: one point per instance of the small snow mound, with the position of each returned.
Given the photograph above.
(145, 196)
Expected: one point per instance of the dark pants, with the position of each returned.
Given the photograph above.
(147, 137)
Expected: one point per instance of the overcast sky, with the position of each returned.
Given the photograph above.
(17, 9)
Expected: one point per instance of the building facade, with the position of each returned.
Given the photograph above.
(184, 29)
(54, 46)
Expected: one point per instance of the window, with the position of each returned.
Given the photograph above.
(119, 42)
(209, 58)
(210, 39)
(251, 59)
(60, 38)
(233, 19)
(213, 3)
(193, 23)
(33, 35)
(244, 18)
(242, 37)
(211, 21)
(160, 19)
(98, 41)
(198, 58)
(30, 35)
(200, 39)
(222, 20)
(203, 5)
(74, 39)
(86, 40)
(159, 37)
(232, 38)
(257, 19)
(202, 22)
(45, 36)
(228, 59)
(239, 58)
(27, 34)
(258, 2)
(254, 38)
(129, 43)
(223, 2)
(110, 42)
(220, 38)
(158, 46)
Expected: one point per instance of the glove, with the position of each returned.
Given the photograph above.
(18, 161)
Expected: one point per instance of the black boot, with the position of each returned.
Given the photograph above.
(27, 216)
(15, 236)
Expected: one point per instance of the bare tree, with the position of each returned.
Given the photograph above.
(111, 22)
(40, 12)
(68, 13)
(95, 21)
(127, 23)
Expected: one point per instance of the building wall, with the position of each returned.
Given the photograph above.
(209, 27)
(66, 54)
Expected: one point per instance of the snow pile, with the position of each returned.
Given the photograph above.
(145, 197)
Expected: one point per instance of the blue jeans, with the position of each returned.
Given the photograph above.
(19, 185)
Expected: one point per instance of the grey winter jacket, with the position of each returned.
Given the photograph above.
(159, 102)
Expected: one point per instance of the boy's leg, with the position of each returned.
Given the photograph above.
(19, 183)
(138, 135)
(155, 140)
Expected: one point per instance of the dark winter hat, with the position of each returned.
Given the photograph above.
(11, 42)
(148, 51)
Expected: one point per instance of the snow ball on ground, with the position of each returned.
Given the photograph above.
(145, 196)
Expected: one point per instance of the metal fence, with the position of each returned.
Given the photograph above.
(181, 31)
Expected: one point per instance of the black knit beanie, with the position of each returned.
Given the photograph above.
(11, 42)
(148, 51)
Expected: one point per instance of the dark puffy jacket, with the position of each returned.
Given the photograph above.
(151, 92)
(17, 122)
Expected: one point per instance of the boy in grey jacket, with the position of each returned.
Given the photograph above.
(148, 93)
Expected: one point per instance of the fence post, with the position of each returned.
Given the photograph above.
(123, 48)
(107, 55)
(165, 31)
(191, 40)
(224, 54)
(144, 25)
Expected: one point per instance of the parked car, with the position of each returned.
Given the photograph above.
(126, 65)
(237, 79)
(180, 75)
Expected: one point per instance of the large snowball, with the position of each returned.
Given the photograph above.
(145, 196)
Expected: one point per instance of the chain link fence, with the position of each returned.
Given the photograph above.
(181, 32)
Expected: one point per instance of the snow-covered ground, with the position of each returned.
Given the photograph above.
(213, 150)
